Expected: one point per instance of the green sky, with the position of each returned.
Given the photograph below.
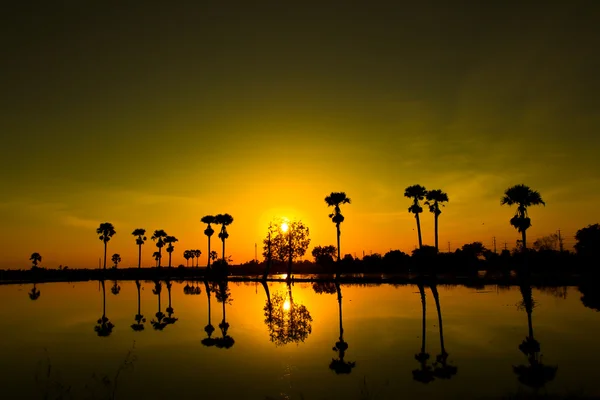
(152, 115)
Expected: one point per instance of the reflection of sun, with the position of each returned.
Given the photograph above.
(287, 305)
(284, 227)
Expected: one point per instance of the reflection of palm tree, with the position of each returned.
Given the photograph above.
(106, 230)
(441, 368)
(209, 328)
(104, 327)
(536, 374)
(523, 197)
(115, 289)
(159, 236)
(208, 219)
(169, 319)
(139, 240)
(223, 296)
(424, 374)
(224, 220)
(435, 198)
(339, 365)
(334, 200)
(139, 318)
(158, 323)
(287, 321)
(34, 294)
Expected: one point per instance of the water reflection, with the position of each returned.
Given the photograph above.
(209, 328)
(34, 293)
(170, 319)
(158, 323)
(104, 327)
(535, 374)
(115, 289)
(423, 374)
(138, 325)
(286, 321)
(339, 365)
(442, 370)
(223, 296)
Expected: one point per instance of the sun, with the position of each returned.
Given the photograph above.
(287, 305)
(285, 227)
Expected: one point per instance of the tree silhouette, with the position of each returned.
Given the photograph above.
(268, 250)
(339, 365)
(223, 296)
(159, 236)
(323, 255)
(157, 256)
(435, 199)
(116, 288)
(34, 294)
(417, 193)
(158, 323)
(334, 200)
(139, 240)
(441, 369)
(208, 219)
(197, 253)
(106, 230)
(286, 321)
(104, 327)
(116, 259)
(169, 319)
(523, 197)
(281, 245)
(536, 374)
(224, 220)
(209, 328)
(170, 240)
(588, 242)
(35, 259)
(138, 325)
(192, 256)
(187, 255)
(424, 374)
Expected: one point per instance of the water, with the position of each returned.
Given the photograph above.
(266, 357)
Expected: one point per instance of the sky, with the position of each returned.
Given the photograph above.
(153, 115)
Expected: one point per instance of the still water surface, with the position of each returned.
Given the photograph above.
(290, 347)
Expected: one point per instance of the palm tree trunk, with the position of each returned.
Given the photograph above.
(530, 324)
(436, 231)
(339, 296)
(423, 332)
(105, 255)
(207, 289)
(140, 257)
(524, 236)
(436, 296)
(223, 250)
(197, 260)
(338, 241)
(103, 300)
(419, 230)
(159, 256)
(170, 259)
(208, 266)
(289, 274)
(139, 298)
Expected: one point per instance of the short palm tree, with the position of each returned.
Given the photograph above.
(116, 259)
(157, 256)
(417, 193)
(187, 255)
(197, 254)
(224, 220)
(208, 219)
(35, 259)
(139, 240)
(106, 230)
(159, 236)
(334, 200)
(523, 197)
(170, 240)
(435, 199)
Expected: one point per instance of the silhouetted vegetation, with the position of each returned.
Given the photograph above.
(209, 231)
(334, 200)
(224, 220)
(287, 321)
(522, 196)
(417, 193)
(286, 241)
(435, 199)
(104, 327)
(139, 241)
(106, 230)
(140, 320)
(159, 237)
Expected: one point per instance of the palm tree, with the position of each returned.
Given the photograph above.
(139, 318)
(197, 254)
(104, 327)
(339, 365)
(435, 198)
(116, 259)
(424, 374)
(187, 255)
(417, 193)
(159, 236)
(139, 240)
(444, 371)
(223, 220)
(208, 219)
(334, 200)
(523, 197)
(35, 258)
(106, 230)
(156, 255)
(170, 240)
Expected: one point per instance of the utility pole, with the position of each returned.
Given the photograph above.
(560, 242)
(495, 252)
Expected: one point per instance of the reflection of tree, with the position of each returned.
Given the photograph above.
(536, 374)
(191, 289)
(424, 374)
(287, 322)
(116, 288)
(590, 296)
(104, 327)
(441, 368)
(138, 325)
(223, 296)
(158, 323)
(339, 365)
(34, 294)
(209, 328)
(169, 319)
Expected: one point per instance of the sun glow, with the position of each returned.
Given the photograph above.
(287, 305)
(284, 227)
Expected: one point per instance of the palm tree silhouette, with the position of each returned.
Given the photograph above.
(197, 253)
(169, 319)
(159, 322)
(187, 255)
(425, 373)
(209, 328)
(224, 220)
(223, 296)
(523, 197)
(170, 240)
(34, 294)
(441, 368)
(116, 259)
(435, 198)
(157, 256)
(104, 327)
(334, 200)
(339, 365)
(417, 193)
(35, 259)
(106, 230)
(208, 219)
(192, 256)
(159, 236)
(115, 289)
(139, 240)
(138, 325)
(536, 374)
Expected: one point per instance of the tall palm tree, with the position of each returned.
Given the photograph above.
(138, 325)
(35, 259)
(187, 255)
(208, 219)
(170, 240)
(523, 197)
(106, 230)
(159, 236)
(339, 365)
(139, 240)
(334, 200)
(104, 327)
(417, 193)
(197, 254)
(435, 198)
(224, 220)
